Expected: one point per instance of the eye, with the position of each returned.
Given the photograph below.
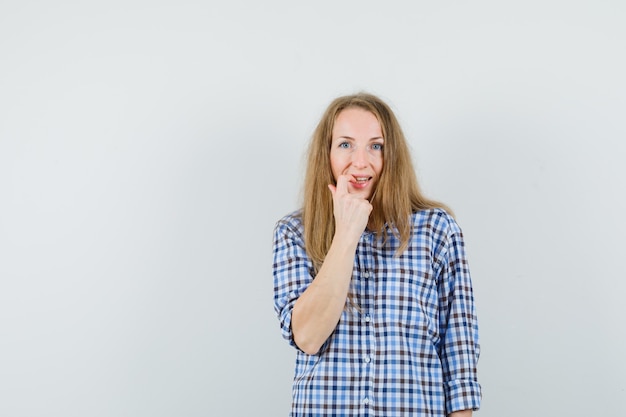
(377, 146)
(344, 145)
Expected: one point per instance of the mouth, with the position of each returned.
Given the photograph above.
(360, 181)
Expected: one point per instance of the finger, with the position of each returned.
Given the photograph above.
(332, 189)
(342, 185)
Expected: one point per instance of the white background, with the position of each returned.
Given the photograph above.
(148, 147)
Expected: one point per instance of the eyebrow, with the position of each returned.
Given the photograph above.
(351, 138)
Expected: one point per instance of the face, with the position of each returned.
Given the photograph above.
(357, 150)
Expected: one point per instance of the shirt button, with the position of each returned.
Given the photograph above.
(368, 318)
(366, 274)
(366, 401)
(367, 359)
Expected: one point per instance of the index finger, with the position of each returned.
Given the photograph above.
(342, 185)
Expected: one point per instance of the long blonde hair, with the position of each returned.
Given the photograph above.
(397, 194)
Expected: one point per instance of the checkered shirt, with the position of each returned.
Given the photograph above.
(409, 348)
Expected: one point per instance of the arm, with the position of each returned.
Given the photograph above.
(459, 344)
(464, 413)
(318, 310)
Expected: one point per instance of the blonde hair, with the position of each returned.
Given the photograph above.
(397, 194)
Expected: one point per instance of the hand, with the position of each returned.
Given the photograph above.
(351, 211)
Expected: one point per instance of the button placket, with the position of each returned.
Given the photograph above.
(365, 265)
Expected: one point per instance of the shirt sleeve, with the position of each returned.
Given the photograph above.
(460, 348)
(292, 272)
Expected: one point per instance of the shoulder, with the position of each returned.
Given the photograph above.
(290, 224)
(438, 220)
(437, 230)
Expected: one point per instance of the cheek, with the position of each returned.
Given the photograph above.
(379, 166)
(335, 165)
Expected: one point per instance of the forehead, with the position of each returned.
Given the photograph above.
(356, 121)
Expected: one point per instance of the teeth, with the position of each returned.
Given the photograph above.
(361, 179)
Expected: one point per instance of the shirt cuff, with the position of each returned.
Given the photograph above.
(462, 394)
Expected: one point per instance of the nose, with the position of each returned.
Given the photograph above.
(359, 157)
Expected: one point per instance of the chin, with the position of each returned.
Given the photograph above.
(366, 195)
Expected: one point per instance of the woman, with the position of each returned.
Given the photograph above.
(371, 283)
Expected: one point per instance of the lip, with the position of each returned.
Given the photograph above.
(360, 184)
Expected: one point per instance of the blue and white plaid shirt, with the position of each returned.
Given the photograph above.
(410, 348)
